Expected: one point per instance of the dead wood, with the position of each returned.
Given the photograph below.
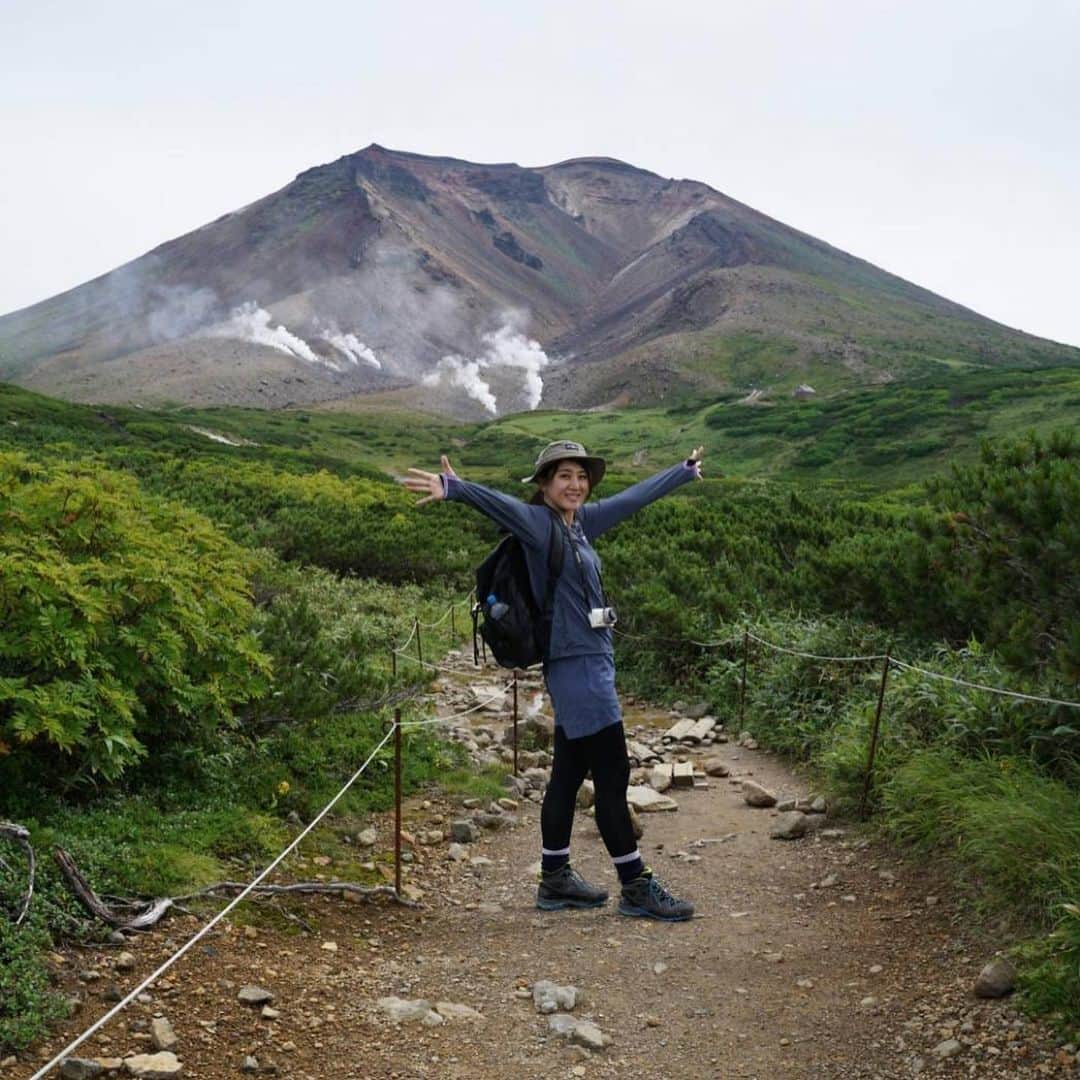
(20, 835)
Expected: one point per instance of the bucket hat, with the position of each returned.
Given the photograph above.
(560, 451)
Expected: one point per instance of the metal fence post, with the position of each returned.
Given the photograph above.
(397, 801)
(874, 737)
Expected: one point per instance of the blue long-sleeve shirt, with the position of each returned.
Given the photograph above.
(533, 525)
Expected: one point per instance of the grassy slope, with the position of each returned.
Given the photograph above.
(882, 436)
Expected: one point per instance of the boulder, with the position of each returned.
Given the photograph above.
(789, 826)
(647, 800)
(756, 795)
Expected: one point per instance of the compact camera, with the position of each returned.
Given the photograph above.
(601, 617)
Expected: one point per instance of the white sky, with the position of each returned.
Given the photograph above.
(936, 138)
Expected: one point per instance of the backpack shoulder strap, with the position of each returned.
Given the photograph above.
(556, 556)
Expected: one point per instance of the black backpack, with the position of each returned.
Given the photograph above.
(514, 626)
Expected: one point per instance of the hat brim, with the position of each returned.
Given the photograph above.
(594, 466)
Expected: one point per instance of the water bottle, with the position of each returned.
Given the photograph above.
(496, 608)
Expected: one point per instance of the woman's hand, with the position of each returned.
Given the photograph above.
(430, 485)
(694, 460)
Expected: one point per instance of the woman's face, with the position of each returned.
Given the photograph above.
(567, 487)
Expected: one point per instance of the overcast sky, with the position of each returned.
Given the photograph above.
(936, 139)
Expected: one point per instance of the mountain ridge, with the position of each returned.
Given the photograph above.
(433, 276)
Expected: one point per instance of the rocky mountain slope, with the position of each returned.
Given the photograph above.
(474, 288)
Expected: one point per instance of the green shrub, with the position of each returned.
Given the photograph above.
(124, 621)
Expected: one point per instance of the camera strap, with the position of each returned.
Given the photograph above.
(581, 569)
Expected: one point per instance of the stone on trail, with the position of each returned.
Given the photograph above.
(647, 801)
(698, 711)
(462, 832)
(77, 1069)
(583, 1032)
(757, 796)
(448, 1010)
(682, 774)
(254, 995)
(635, 823)
(586, 795)
(947, 1049)
(162, 1035)
(403, 1011)
(996, 979)
(789, 826)
(251, 1064)
(660, 776)
(701, 729)
(161, 1066)
(716, 767)
(125, 961)
(367, 838)
(457, 853)
(550, 998)
(680, 730)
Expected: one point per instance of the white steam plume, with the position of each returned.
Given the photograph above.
(349, 345)
(505, 347)
(458, 371)
(252, 323)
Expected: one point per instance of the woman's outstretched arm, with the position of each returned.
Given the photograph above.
(530, 524)
(598, 517)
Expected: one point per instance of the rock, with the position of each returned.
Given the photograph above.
(251, 1064)
(254, 995)
(586, 795)
(660, 776)
(819, 806)
(702, 729)
(403, 1011)
(715, 767)
(449, 1011)
(784, 805)
(431, 837)
(457, 853)
(635, 823)
(789, 826)
(947, 1049)
(463, 832)
(647, 801)
(757, 796)
(72, 1068)
(368, 838)
(583, 1032)
(550, 998)
(509, 805)
(682, 774)
(679, 730)
(162, 1034)
(125, 961)
(996, 980)
(698, 711)
(161, 1066)
(270, 1013)
(493, 821)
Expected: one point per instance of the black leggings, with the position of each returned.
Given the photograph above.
(604, 755)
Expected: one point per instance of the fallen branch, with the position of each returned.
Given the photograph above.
(118, 914)
(150, 914)
(20, 835)
(325, 888)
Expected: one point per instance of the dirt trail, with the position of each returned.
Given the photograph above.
(777, 977)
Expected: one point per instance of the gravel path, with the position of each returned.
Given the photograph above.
(823, 957)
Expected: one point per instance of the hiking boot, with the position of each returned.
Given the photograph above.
(565, 888)
(645, 897)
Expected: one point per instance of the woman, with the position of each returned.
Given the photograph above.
(579, 667)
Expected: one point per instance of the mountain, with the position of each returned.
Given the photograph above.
(463, 288)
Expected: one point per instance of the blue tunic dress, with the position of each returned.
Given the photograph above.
(580, 666)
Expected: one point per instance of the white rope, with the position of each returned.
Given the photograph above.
(988, 689)
(457, 716)
(814, 656)
(430, 665)
(438, 622)
(150, 979)
(675, 641)
(406, 642)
